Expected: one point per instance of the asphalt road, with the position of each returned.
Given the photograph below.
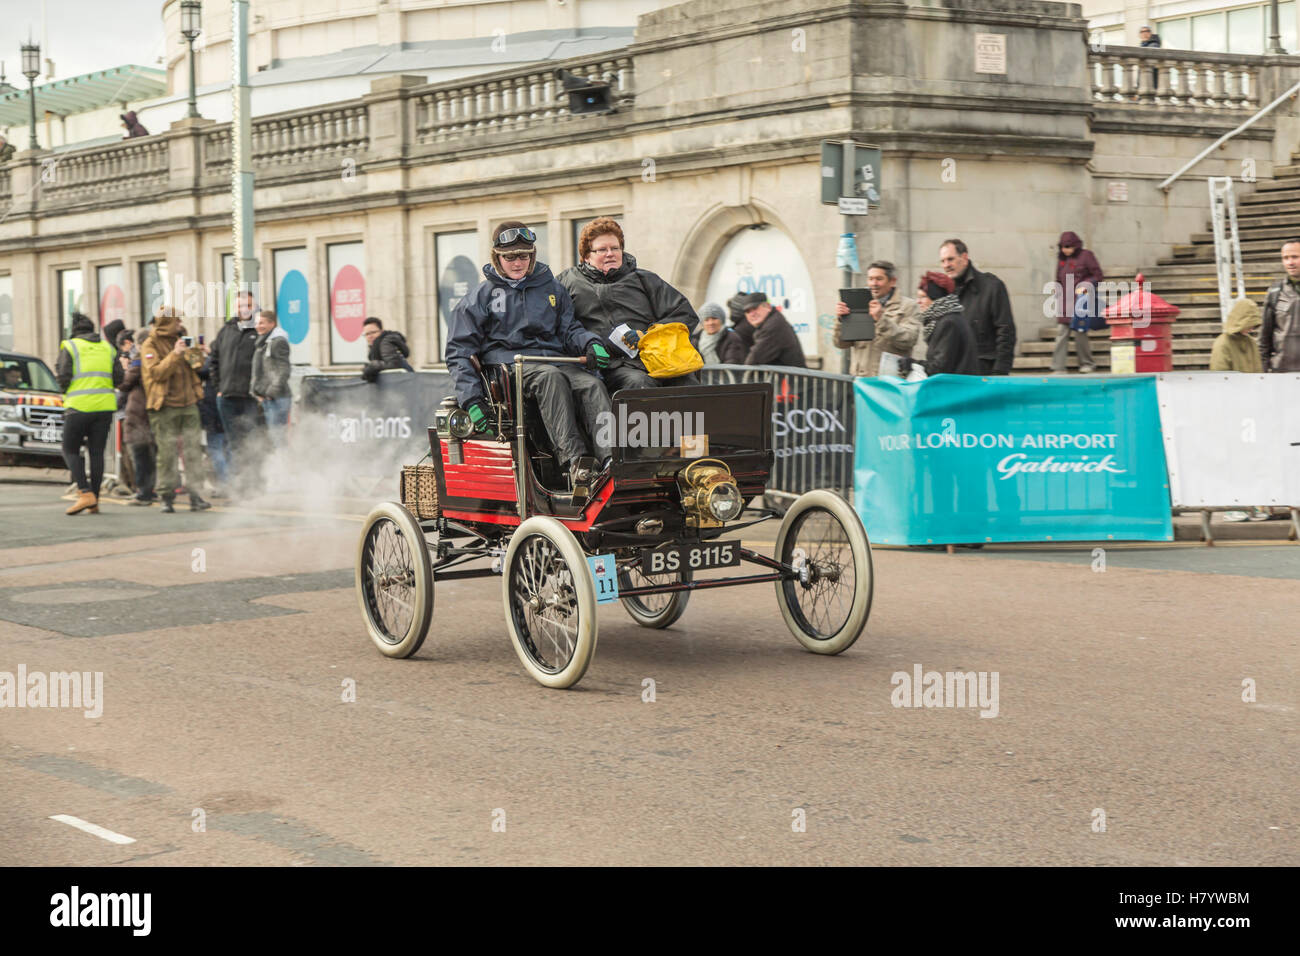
(225, 640)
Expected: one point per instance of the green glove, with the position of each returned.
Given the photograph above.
(478, 415)
(597, 356)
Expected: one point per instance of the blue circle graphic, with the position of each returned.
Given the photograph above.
(291, 306)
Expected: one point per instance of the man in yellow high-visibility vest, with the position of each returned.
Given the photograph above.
(87, 371)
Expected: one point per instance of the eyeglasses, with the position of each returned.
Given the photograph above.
(510, 235)
(606, 250)
(515, 256)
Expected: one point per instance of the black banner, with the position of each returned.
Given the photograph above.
(372, 428)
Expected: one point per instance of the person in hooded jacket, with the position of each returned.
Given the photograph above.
(172, 390)
(88, 372)
(388, 349)
(1235, 350)
(609, 290)
(522, 309)
(136, 433)
(133, 126)
(949, 339)
(1077, 271)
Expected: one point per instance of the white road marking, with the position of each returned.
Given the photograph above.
(92, 828)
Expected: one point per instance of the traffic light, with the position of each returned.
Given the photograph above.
(585, 96)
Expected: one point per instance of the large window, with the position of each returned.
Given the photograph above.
(71, 298)
(292, 311)
(110, 285)
(1242, 30)
(6, 312)
(347, 272)
(154, 291)
(455, 263)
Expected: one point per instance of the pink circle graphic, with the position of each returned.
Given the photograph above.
(112, 305)
(348, 303)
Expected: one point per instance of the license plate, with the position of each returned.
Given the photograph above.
(690, 557)
(52, 435)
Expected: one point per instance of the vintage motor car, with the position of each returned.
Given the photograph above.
(648, 531)
(31, 408)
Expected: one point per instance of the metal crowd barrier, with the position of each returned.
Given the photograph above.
(812, 424)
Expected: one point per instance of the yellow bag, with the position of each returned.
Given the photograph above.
(667, 352)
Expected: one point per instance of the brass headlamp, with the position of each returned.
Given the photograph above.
(710, 496)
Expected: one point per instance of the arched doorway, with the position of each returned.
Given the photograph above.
(763, 258)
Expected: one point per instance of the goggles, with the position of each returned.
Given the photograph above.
(509, 236)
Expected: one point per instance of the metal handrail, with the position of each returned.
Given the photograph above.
(1168, 183)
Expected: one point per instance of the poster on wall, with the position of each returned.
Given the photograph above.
(72, 297)
(347, 272)
(292, 309)
(110, 281)
(458, 274)
(6, 312)
(767, 260)
(155, 291)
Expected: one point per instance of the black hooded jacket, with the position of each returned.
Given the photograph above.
(604, 301)
(230, 361)
(388, 350)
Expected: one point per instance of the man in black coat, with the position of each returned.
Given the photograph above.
(388, 349)
(230, 365)
(775, 341)
(987, 307)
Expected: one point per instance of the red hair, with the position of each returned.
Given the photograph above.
(603, 226)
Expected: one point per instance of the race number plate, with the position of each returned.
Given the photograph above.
(690, 557)
(604, 574)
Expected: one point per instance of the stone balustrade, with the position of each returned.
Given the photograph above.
(1176, 78)
(131, 166)
(6, 188)
(296, 138)
(512, 100)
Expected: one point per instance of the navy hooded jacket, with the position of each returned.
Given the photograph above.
(496, 322)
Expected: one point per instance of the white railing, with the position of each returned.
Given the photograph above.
(1175, 78)
(512, 101)
(297, 138)
(120, 168)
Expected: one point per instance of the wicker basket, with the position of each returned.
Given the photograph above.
(420, 490)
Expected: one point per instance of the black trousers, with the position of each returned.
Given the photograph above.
(86, 428)
(144, 456)
(571, 401)
(633, 376)
(987, 366)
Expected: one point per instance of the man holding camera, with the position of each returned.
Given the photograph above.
(521, 309)
(169, 371)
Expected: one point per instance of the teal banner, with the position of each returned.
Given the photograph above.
(958, 459)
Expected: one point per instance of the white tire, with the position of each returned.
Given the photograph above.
(394, 580)
(828, 608)
(550, 602)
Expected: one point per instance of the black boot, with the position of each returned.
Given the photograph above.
(197, 503)
(167, 500)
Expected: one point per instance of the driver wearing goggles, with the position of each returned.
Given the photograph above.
(520, 309)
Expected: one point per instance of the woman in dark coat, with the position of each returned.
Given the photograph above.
(608, 291)
(949, 341)
(136, 433)
(1077, 271)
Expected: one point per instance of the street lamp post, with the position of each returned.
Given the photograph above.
(191, 27)
(1275, 35)
(31, 70)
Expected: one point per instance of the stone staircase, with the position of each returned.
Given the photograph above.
(1265, 217)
